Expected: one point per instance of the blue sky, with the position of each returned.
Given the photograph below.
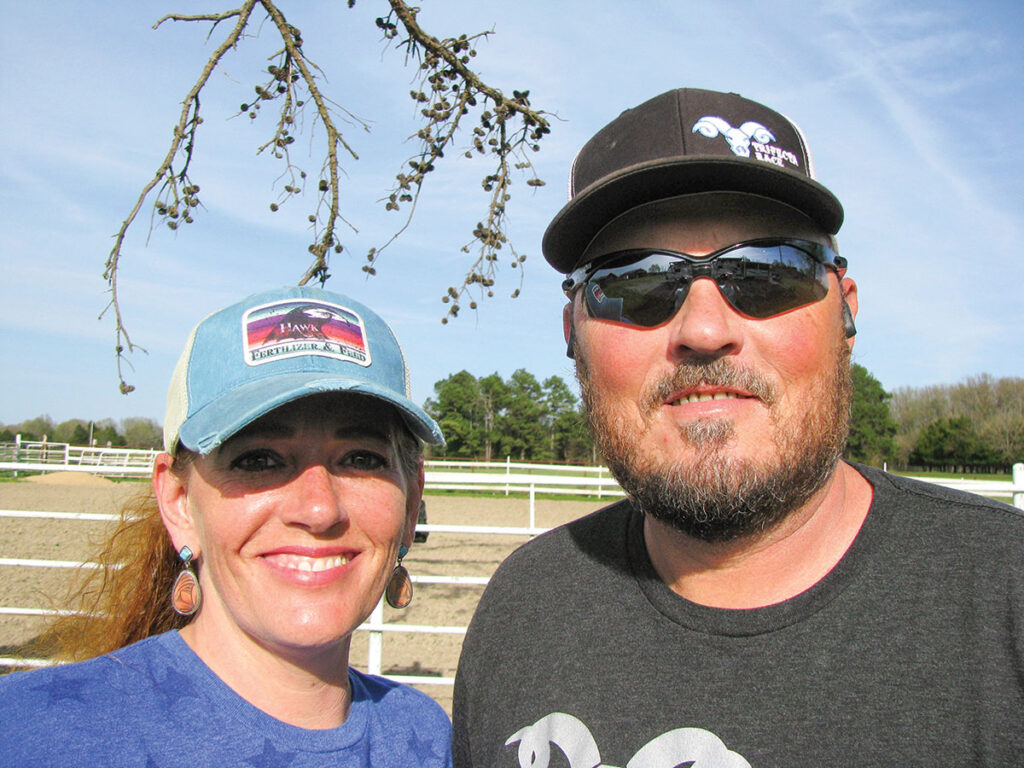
(913, 111)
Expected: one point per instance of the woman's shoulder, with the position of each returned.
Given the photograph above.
(392, 695)
(403, 725)
(101, 677)
(92, 675)
(94, 699)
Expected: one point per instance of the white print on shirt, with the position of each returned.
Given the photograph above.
(694, 746)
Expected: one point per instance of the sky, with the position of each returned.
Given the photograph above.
(913, 111)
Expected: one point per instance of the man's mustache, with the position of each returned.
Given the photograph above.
(716, 373)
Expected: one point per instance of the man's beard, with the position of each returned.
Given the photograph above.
(713, 496)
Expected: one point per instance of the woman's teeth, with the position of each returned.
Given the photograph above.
(310, 564)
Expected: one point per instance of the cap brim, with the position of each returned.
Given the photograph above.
(582, 218)
(206, 429)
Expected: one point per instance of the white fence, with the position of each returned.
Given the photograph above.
(495, 477)
(506, 478)
(441, 474)
(375, 625)
(24, 456)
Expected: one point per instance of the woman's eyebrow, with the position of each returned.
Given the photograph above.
(362, 432)
(265, 429)
(284, 429)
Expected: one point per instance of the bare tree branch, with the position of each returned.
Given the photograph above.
(448, 90)
(181, 189)
(507, 128)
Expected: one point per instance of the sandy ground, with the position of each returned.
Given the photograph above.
(443, 554)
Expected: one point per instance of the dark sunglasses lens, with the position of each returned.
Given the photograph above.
(759, 281)
(774, 280)
(637, 292)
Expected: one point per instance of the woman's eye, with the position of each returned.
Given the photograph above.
(256, 461)
(366, 460)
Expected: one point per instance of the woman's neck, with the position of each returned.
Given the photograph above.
(308, 688)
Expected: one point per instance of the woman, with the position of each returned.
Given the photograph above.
(281, 510)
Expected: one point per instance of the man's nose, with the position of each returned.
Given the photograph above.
(705, 325)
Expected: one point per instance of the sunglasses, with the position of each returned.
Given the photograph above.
(759, 278)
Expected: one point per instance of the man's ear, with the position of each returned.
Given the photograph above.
(412, 507)
(568, 330)
(172, 497)
(850, 306)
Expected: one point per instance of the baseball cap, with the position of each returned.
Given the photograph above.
(684, 142)
(272, 348)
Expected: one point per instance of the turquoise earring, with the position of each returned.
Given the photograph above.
(186, 596)
(398, 593)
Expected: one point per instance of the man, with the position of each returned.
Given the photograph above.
(755, 600)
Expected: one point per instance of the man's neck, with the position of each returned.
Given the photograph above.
(757, 571)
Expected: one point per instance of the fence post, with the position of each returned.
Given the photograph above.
(508, 472)
(1018, 482)
(375, 652)
(533, 509)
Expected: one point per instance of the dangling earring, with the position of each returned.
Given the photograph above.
(399, 590)
(186, 595)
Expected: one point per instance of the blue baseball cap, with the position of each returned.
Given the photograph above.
(244, 361)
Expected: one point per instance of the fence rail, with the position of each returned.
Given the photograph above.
(375, 625)
(441, 474)
(501, 477)
(26, 456)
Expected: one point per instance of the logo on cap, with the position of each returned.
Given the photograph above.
(296, 327)
(750, 135)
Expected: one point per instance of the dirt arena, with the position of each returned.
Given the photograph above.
(443, 554)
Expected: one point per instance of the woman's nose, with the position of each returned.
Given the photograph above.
(315, 500)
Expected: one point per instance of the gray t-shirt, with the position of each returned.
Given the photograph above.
(909, 652)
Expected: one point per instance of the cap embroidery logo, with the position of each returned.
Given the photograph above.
(750, 135)
(303, 327)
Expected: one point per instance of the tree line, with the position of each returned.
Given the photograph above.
(976, 425)
(132, 432)
(491, 417)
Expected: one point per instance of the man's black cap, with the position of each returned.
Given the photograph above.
(684, 142)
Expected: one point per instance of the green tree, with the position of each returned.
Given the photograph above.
(952, 444)
(491, 418)
(105, 434)
(79, 435)
(1003, 430)
(569, 439)
(37, 429)
(872, 429)
(142, 433)
(493, 395)
(994, 406)
(522, 425)
(913, 408)
(455, 407)
(66, 429)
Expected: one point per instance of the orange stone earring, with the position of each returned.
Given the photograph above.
(399, 590)
(186, 595)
